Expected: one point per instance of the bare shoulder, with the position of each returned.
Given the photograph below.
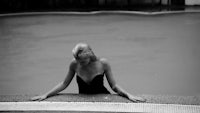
(73, 64)
(105, 62)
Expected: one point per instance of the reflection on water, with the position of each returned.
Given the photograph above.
(148, 54)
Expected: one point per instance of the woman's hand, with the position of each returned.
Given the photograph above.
(136, 99)
(39, 98)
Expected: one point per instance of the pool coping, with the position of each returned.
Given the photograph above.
(98, 107)
(101, 103)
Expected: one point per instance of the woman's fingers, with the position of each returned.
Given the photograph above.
(142, 100)
(132, 99)
(39, 98)
(34, 98)
(137, 99)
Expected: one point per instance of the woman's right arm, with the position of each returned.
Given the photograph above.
(61, 86)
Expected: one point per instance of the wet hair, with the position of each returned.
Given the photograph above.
(83, 50)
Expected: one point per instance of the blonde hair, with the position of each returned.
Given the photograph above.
(83, 50)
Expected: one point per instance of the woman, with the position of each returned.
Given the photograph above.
(89, 71)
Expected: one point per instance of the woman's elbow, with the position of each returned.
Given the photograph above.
(63, 85)
(114, 87)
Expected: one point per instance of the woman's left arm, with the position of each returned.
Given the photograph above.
(116, 88)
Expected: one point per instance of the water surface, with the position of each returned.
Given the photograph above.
(148, 54)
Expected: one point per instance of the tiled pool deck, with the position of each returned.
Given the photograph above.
(100, 103)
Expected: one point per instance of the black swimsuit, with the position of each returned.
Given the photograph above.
(96, 86)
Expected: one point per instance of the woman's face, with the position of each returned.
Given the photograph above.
(84, 57)
(84, 61)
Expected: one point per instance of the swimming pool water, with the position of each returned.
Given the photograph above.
(156, 54)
